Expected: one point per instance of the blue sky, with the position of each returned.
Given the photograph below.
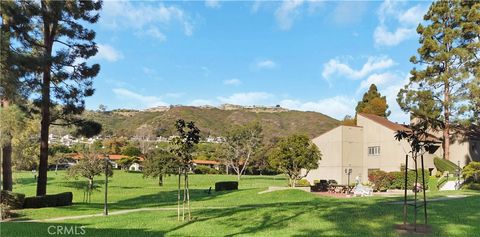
(304, 55)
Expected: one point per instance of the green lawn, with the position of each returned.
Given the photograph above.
(244, 212)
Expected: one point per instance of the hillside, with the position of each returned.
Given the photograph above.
(213, 121)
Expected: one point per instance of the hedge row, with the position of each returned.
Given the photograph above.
(226, 185)
(55, 200)
(201, 169)
(11, 199)
(445, 165)
(396, 179)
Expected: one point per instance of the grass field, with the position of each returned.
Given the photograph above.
(243, 212)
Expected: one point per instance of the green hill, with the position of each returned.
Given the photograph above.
(212, 121)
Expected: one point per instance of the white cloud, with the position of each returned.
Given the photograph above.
(143, 100)
(406, 21)
(287, 12)
(378, 79)
(265, 64)
(200, 102)
(144, 18)
(335, 66)
(233, 82)
(382, 36)
(348, 12)
(155, 33)
(107, 52)
(336, 107)
(212, 3)
(249, 98)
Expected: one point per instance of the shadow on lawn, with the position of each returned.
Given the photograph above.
(319, 217)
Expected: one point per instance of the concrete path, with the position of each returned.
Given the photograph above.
(112, 213)
(274, 188)
(449, 185)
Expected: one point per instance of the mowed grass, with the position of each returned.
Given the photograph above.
(243, 212)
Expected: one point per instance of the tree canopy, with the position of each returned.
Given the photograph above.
(373, 103)
(294, 153)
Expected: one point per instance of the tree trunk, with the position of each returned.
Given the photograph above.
(188, 197)
(184, 196)
(178, 194)
(7, 164)
(45, 110)
(160, 180)
(446, 129)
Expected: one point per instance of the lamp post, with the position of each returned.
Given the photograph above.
(457, 187)
(348, 172)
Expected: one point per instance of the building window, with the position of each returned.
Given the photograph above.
(373, 150)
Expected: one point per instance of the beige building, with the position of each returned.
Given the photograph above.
(364, 148)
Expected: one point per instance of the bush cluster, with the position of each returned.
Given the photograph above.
(226, 185)
(11, 199)
(201, 169)
(55, 200)
(302, 183)
(396, 179)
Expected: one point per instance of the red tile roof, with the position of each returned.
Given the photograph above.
(113, 157)
(205, 162)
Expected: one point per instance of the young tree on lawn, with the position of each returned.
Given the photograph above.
(90, 165)
(159, 163)
(241, 143)
(373, 103)
(57, 154)
(59, 45)
(131, 150)
(448, 48)
(294, 153)
(183, 146)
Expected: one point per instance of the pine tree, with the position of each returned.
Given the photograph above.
(448, 47)
(373, 103)
(59, 46)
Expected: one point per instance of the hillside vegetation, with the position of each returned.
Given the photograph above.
(213, 121)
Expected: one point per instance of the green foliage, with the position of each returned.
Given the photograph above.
(443, 165)
(202, 169)
(226, 185)
(438, 174)
(90, 165)
(302, 183)
(373, 103)
(294, 153)
(131, 150)
(159, 163)
(241, 144)
(114, 145)
(11, 199)
(396, 179)
(471, 172)
(472, 186)
(381, 180)
(55, 200)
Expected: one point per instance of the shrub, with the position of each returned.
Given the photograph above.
(380, 179)
(398, 179)
(226, 185)
(55, 200)
(11, 199)
(471, 172)
(5, 212)
(445, 165)
(438, 174)
(201, 169)
(302, 183)
(472, 186)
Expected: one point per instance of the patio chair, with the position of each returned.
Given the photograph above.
(362, 190)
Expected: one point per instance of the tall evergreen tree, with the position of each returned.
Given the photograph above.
(373, 103)
(448, 46)
(60, 46)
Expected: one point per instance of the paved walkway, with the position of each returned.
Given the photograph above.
(450, 185)
(112, 213)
